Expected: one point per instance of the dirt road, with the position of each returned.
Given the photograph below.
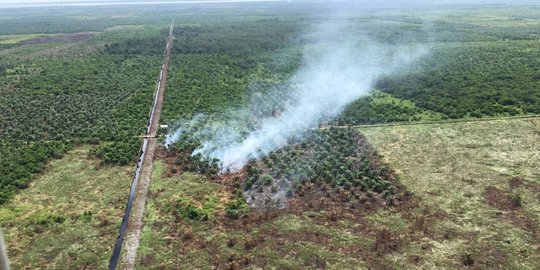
(126, 251)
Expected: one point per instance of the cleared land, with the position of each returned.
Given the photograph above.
(477, 185)
(69, 216)
(14, 39)
(474, 203)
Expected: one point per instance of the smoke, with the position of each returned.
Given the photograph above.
(171, 138)
(181, 128)
(331, 77)
(337, 68)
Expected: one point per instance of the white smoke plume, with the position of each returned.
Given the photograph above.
(337, 68)
(180, 128)
(328, 81)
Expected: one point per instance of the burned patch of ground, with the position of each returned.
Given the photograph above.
(447, 217)
(509, 203)
(337, 160)
(501, 200)
(170, 158)
(325, 222)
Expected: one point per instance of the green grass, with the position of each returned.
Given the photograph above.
(385, 99)
(14, 39)
(69, 216)
(448, 167)
(391, 220)
(156, 233)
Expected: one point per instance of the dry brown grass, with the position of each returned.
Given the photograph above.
(466, 173)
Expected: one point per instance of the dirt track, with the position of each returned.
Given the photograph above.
(135, 224)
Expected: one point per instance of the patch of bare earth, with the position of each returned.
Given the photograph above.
(509, 204)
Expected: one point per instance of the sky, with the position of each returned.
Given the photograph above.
(32, 2)
(43, 3)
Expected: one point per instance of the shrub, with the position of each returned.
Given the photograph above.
(237, 207)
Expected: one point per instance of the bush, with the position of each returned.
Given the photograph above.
(339, 157)
(47, 219)
(186, 209)
(18, 163)
(237, 207)
(119, 153)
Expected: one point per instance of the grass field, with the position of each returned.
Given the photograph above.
(14, 39)
(69, 217)
(478, 183)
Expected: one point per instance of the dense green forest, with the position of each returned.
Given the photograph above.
(486, 79)
(215, 66)
(21, 161)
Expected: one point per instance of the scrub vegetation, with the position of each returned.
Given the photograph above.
(317, 218)
(69, 215)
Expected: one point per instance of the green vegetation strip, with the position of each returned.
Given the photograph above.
(14, 39)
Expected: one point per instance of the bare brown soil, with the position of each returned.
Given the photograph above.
(169, 157)
(315, 200)
(509, 203)
(515, 182)
(500, 199)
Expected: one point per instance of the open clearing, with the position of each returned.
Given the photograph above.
(135, 224)
(14, 39)
(69, 217)
(479, 181)
(487, 166)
